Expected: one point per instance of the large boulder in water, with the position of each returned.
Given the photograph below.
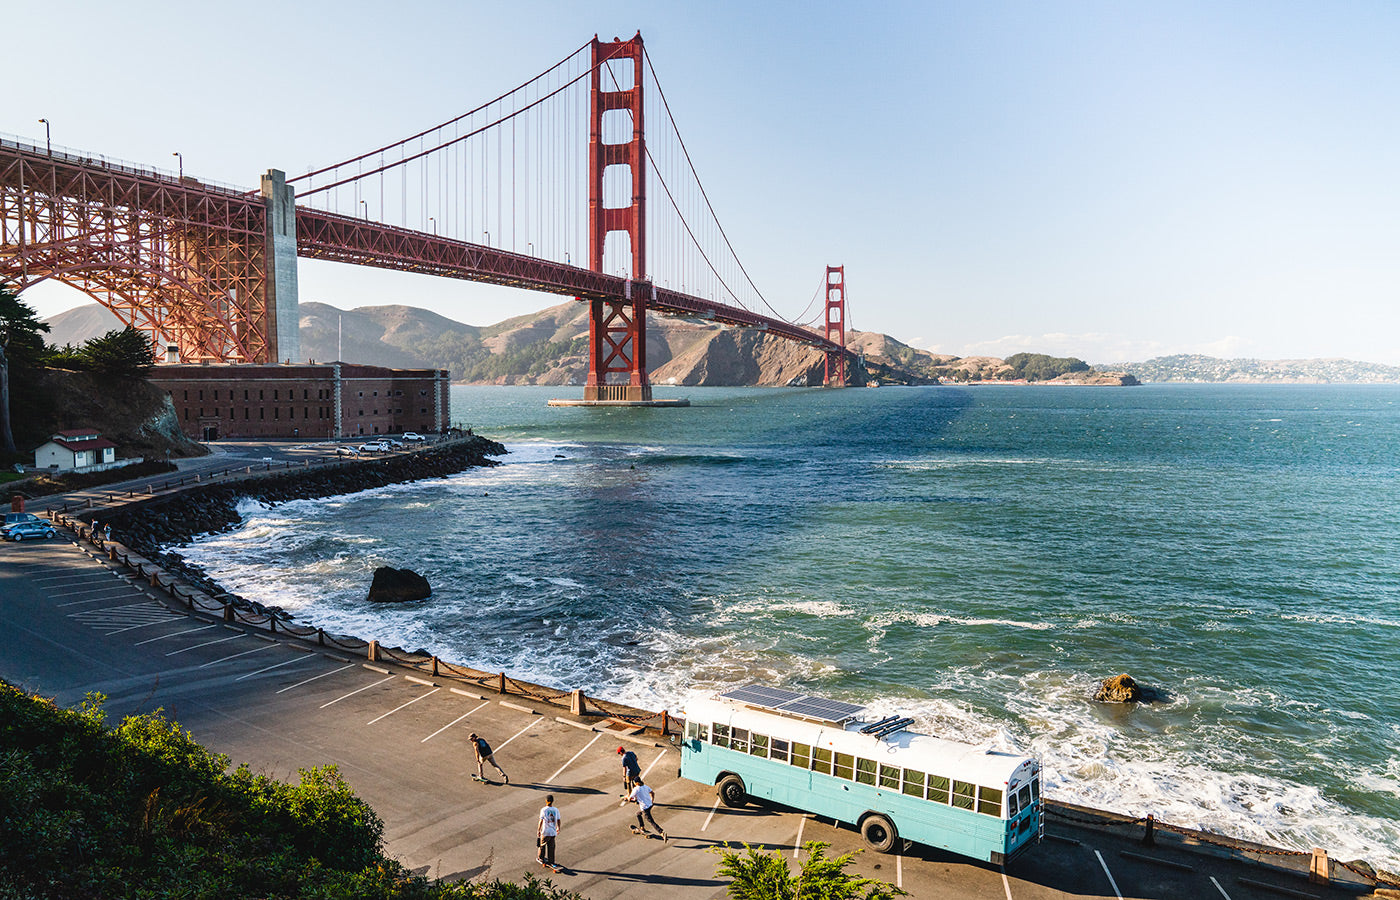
(1119, 689)
(392, 585)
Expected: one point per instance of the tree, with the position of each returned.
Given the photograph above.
(21, 347)
(760, 875)
(124, 353)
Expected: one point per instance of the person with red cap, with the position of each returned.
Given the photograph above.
(631, 772)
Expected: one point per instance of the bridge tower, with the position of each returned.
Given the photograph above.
(836, 326)
(617, 326)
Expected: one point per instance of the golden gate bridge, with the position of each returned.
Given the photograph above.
(545, 188)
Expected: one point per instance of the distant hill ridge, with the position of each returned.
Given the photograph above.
(550, 347)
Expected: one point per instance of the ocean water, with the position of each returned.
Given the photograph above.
(978, 558)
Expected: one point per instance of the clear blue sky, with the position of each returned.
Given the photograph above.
(1112, 181)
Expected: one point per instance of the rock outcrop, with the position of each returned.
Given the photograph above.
(392, 585)
(1119, 689)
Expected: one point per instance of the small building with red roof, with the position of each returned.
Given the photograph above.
(78, 448)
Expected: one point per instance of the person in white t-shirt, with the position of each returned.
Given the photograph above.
(645, 800)
(549, 830)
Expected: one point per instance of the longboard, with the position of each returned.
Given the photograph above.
(553, 868)
(476, 777)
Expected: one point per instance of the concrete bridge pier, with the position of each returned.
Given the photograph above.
(284, 318)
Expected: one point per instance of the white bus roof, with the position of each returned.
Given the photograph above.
(907, 749)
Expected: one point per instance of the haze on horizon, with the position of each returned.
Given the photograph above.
(1098, 180)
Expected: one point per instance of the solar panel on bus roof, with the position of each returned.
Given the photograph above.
(762, 695)
(821, 708)
(794, 703)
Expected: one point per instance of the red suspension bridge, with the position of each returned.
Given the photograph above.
(544, 188)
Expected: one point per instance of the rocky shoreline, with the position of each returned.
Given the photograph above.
(151, 526)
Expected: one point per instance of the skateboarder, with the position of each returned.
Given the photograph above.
(549, 829)
(483, 755)
(642, 796)
(631, 772)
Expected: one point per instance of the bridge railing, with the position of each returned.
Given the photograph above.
(108, 163)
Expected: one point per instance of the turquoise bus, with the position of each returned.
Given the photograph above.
(893, 784)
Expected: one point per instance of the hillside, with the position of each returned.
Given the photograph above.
(550, 347)
(1193, 368)
(134, 414)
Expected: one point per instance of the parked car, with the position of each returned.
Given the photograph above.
(346, 451)
(392, 444)
(20, 531)
(413, 437)
(374, 447)
(14, 518)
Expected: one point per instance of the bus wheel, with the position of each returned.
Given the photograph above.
(731, 791)
(879, 833)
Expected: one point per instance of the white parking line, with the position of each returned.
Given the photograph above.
(450, 724)
(206, 644)
(797, 844)
(71, 577)
(653, 764)
(176, 634)
(1219, 888)
(236, 655)
(1006, 884)
(103, 599)
(110, 609)
(164, 621)
(105, 589)
(899, 869)
(521, 731)
(711, 815)
(270, 668)
(550, 779)
(1117, 893)
(409, 703)
(314, 677)
(356, 691)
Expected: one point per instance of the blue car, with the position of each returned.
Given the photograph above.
(37, 529)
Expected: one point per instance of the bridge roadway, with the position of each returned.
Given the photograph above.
(75, 623)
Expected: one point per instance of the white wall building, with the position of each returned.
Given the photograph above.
(76, 449)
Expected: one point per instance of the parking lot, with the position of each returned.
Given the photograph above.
(76, 623)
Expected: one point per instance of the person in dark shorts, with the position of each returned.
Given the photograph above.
(483, 755)
(642, 796)
(631, 771)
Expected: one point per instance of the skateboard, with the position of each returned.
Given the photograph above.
(649, 834)
(551, 867)
(476, 777)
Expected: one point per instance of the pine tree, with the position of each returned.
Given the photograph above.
(21, 347)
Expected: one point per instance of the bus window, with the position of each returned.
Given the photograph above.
(938, 788)
(692, 731)
(889, 777)
(963, 792)
(989, 801)
(845, 766)
(721, 735)
(704, 732)
(865, 771)
(821, 760)
(759, 745)
(802, 756)
(1024, 795)
(913, 783)
(1035, 788)
(779, 750)
(1012, 807)
(740, 740)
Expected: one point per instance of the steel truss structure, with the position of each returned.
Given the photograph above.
(181, 261)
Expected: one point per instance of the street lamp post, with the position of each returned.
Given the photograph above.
(48, 141)
(181, 157)
(488, 237)
(433, 222)
(364, 208)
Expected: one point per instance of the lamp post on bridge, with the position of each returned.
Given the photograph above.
(488, 237)
(433, 222)
(364, 209)
(48, 141)
(181, 158)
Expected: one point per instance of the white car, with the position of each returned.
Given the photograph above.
(413, 437)
(374, 447)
